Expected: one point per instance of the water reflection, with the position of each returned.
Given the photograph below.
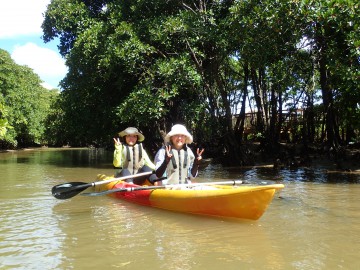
(134, 236)
(67, 157)
(316, 174)
(311, 224)
(27, 231)
(317, 221)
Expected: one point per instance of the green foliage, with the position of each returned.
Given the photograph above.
(155, 63)
(148, 106)
(25, 102)
(4, 123)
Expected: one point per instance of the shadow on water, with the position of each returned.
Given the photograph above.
(312, 175)
(99, 158)
(62, 157)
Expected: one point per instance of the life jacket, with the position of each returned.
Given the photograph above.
(177, 170)
(133, 159)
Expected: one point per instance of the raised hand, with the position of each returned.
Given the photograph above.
(117, 142)
(168, 152)
(199, 153)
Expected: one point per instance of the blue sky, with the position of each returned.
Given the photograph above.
(20, 35)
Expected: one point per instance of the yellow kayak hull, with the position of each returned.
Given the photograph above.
(243, 201)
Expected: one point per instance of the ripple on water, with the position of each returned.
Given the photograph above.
(32, 234)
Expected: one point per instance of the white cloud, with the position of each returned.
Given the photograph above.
(21, 17)
(21, 20)
(45, 62)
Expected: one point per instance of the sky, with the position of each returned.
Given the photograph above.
(20, 35)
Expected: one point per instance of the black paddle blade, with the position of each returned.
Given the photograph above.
(69, 190)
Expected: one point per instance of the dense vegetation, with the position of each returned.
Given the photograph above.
(202, 63)
(24, 105)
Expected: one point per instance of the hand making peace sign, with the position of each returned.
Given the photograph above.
(199, 153)
(117, 143)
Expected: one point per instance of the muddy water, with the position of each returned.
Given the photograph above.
(314, 223)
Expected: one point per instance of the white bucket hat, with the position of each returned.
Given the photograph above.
(132, 131)
(181, 130)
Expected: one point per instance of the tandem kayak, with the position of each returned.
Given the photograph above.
(241, 201)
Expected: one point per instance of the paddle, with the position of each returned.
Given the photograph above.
(71, 189)
(129, 189)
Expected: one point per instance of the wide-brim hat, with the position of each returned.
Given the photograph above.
(132, 131)
(179, 130)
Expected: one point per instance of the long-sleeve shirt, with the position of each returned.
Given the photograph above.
(131, 158)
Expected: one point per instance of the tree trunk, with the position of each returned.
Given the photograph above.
(260, 125)
(327, 94)
(240, 122)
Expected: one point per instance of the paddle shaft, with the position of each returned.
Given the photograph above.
(69, 190)
(96, 183)
(130, 189)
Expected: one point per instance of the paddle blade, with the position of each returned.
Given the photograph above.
(69, 190)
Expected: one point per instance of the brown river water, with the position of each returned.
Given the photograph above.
(313, 223)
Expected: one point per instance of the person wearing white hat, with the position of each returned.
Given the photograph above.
(130, 157)
(183, 165)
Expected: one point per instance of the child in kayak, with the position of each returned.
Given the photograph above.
(131, 158)
(176, 160)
